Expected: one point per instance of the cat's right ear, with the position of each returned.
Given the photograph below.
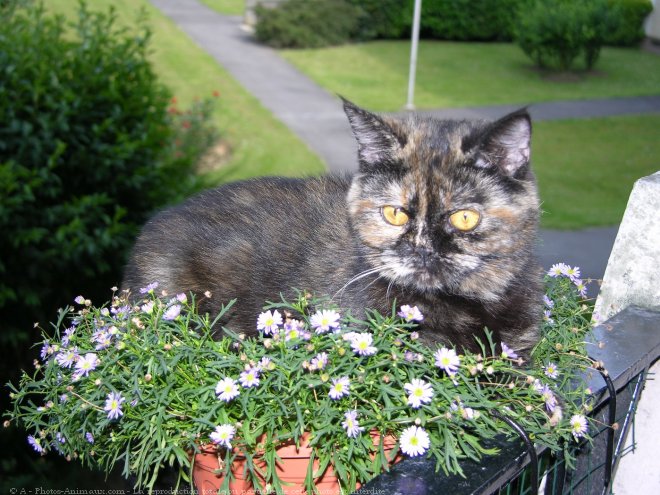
(377, 141)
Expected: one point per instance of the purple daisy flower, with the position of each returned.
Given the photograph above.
(447, 360)
(67, 358)
(149, 288)
(507, 352)
(410, 313)
(113, 405)
(172, 312)
(351, 425)
(324, 321)
(269, 322)
(249, 378)
(551, 370)
(579, 426)
(340, 387)
(85, 364)
(36, 444)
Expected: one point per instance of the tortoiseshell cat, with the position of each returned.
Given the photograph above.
(442, 215)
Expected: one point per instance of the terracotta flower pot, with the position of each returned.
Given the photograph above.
(292, 469)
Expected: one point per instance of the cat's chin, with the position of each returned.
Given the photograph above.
(410, 278)
(426, 282)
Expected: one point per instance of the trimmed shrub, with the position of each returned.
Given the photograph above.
(307, 23)
(315, 23)
(629, 15)
(554, 33)
(388, 19)
(473, 20)
(86, 155)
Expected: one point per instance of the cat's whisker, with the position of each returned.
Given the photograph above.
(359, 276)
(373, 282)
(366, 273)
(389, 288)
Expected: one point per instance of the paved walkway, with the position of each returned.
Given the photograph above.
(317, 117)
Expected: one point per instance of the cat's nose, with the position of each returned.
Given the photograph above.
(424, 254)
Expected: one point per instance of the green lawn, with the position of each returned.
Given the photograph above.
(375, 74)
(255, 138)
(586, 168)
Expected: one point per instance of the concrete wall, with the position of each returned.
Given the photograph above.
(632, 277)
(652, 23)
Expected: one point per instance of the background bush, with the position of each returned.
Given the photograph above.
(317, 23)
(387, 19)
(470, 20)
(628, 18)
(554, 33)
(307, 23)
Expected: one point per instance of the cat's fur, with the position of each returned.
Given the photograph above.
(256, 239)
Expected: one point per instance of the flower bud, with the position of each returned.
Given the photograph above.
(147, 377)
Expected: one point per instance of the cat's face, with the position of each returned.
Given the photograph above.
(444, 205)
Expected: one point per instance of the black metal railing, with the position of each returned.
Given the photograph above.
(626, 345)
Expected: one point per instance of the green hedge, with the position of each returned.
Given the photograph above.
(307, 23)
(470, 20)
(629, 15)
(388, 19)
(316, 23)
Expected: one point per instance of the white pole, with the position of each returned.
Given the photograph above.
(413, 54)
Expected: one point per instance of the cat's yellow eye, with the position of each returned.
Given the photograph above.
(464, 220)
(394, 215)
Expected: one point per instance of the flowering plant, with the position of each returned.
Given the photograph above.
(146, 385)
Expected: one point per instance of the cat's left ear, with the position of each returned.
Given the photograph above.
(377, 140)
(506, 144)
